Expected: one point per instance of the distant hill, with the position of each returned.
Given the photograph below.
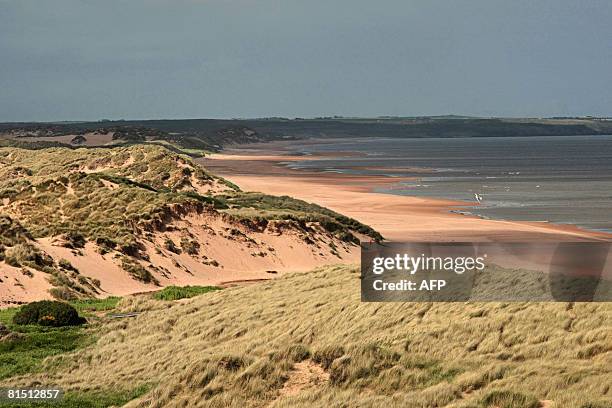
(194, 136)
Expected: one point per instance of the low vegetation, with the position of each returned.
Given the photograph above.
(90, 399)
(87, 307)
(183, 292)
(104, 195)
(137, 271)
(195, 136)
(48, 313)
(23, 348)
(260, 208)
(307, 340)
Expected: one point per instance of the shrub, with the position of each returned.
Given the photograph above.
(65, 264)
(48, 313)
(106, 243)
(130, 249)
(28, 255)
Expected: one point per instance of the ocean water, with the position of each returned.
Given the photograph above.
(557, 179)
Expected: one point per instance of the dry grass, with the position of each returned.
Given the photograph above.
(241, 347)
(148, 164)
(99, 193)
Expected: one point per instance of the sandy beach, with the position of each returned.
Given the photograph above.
(262, 168)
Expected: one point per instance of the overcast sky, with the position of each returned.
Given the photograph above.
(92, 59)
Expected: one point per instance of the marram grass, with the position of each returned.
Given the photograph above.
(241, 346)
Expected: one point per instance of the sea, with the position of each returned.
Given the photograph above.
(560, 179)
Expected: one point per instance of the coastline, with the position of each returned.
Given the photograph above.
(262, 167)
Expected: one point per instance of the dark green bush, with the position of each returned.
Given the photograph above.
(48, 313)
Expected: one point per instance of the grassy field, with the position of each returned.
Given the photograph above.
(35, 343)
(88, 307)
(306, 340)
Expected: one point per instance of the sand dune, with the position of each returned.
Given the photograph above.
(225, 256)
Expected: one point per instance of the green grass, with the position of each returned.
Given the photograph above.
(25, 354)
(85, 307)
(89, 399)
(6, 315)
(178, 292)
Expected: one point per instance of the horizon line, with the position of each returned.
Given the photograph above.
(330, 117)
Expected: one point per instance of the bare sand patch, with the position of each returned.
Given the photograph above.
(22, 285)
(305, 375)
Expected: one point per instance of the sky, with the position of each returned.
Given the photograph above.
(147, 59)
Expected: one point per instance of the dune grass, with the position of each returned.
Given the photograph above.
(100, 194)
(259, 207)
(240, 347)
(118, 197)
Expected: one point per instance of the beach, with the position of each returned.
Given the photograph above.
(263, 168)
